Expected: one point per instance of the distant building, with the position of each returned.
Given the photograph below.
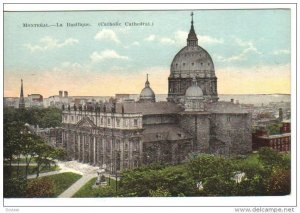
(57, 100)
(122, 97)
(279, 142)
(11, 102)
(35, 100)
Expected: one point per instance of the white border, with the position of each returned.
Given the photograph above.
(182, 201)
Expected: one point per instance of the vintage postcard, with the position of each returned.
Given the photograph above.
(165, 101)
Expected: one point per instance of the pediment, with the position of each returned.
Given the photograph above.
(85, 122)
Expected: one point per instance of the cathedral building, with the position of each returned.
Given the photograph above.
(192, 120)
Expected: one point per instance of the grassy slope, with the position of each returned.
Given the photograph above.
(88, 191)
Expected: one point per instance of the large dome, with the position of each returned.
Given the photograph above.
(193, 61)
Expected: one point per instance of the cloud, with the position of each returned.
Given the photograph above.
(107, 34)
(281, 52)
(150, 38)
(49, 43)
(248, 47)
(135, 43)
(179, 37)
(166, 40)
(204, 39)
(106, 54)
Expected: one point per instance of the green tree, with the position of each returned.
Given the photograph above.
(140, 181)
(159, 192)
(14, 187)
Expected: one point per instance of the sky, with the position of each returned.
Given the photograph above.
(251, 50)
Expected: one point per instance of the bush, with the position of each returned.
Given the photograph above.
(14, 187)
(279, 183)
(160, 192)
(39, 188)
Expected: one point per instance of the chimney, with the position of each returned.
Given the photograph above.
(280, 115)
(60, 93)
(65, 94)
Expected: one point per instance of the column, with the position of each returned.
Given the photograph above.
(94, 150)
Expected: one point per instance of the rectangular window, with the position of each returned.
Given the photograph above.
(118, 122)
(72, 118)
(101, 120)
(108, 121)
(228, 118)
(135, 122)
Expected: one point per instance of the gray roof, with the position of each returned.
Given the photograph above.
(225, 107)
(164, 132)
(154, 108)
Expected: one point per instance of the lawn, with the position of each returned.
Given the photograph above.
(31, 170)
(102, 191)
(62, 181)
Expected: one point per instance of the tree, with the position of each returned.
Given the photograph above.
(14, 187)
(142, 181)
(205, 166)
(40, 188)
(159, 192)
(279, 183)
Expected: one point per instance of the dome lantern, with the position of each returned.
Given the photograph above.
(192, 39)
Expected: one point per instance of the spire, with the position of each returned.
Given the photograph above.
(192, 39)
(147, 84)
(21, 101)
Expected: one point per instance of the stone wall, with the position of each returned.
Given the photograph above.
(198, 125)
(168, 152)
(234, 130)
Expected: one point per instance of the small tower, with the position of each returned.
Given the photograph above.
(21, 100)
(194, 97)
(147, 94)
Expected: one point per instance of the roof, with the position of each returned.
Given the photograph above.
(275, 136)
(164, 132)
(193, 58)
(225, 107)
(154, 108)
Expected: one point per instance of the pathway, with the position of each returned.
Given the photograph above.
(45, 174)
(76, 186)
